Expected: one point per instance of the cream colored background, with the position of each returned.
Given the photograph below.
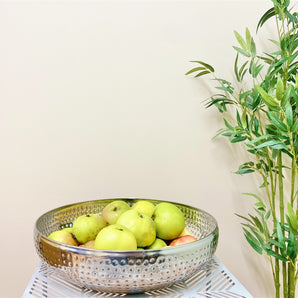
(94, 104)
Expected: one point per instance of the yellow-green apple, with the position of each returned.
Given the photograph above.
(89, 244)
(86, 227)
(169, 221)
(113, 210)
(141, 225)
(67, 230)
(185, 232)
(182, 240)
(115, 237)
(157, 244)
(144, 207)
(63, 237)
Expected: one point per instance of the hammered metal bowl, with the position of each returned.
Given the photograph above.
(124, 271)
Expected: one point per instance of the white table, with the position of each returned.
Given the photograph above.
(214, 280)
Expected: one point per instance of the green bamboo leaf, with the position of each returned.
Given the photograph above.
(250, 43)
(254, 243)
(258, 236)
(279, 88)
(248, 36)
(243, 217)
(280, 146)
(294, 94)
(274, 153)
(295, 250)
(278, 64)
(291, 238)
(266, 59)
(238, 139)
(275, 144)
(202, 73)
(260, 205)
(289, 114)
(275, 42)
(270, 252)
(266, 16)
(208, 66)
(277, 122)
(244, 118)
(280, 235)
(227, 134)
(257, 70)
(236, 68)
(294, 128)
(225, 82)
(267, 215)
(296, 80)
(253, 195)
(228, 125)
(238, 118)
(244, 171)
(240, 41)
(274, 242)
(269, 100)
(278, 3)
(230, 90)
(257, 223)
(288, 227)
(220, 132)
(195, 69)
(260, 138)
(241, 51)
(286, 95)
(290, 246)
(253, 49)
(256, 125)
(292, 17)
(242, 70)
(292, 216)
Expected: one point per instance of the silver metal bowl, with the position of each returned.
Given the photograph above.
(130, 272)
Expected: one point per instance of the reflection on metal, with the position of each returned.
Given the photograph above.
(214, 280)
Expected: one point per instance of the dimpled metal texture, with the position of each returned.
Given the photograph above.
(124, 271)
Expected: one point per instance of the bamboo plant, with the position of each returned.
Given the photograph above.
(264, 119)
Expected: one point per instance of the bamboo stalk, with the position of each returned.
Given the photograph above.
(291, 278)
(282, 218)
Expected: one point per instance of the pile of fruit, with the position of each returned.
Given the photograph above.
(121, 227)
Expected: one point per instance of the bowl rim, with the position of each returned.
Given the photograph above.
(126, 253)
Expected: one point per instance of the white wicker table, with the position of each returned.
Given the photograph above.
(212, 281)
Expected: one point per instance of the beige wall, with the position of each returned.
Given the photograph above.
(94, 104)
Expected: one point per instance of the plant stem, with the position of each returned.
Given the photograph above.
(276, 279)
(282, 217)
(291, 278)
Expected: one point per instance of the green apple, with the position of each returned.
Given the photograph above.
(89, 244)
(115, 237)
(185, 232)
(112, 211)
(67, 230)
(86, 227)
(141, 225)
(144, 207)
(63, 237)
(157, 244)
(169, 221)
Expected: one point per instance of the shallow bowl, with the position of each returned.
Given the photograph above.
(124, 271)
